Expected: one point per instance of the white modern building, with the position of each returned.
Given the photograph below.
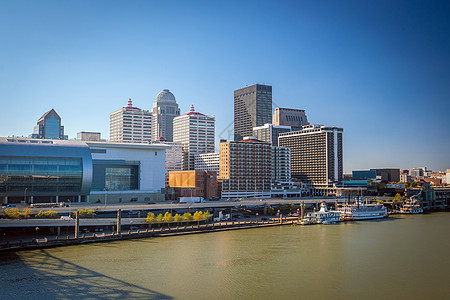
(196, 132)
(130, 125)
(164, 110)
(207, 162)
(269, 133)
(39, 170)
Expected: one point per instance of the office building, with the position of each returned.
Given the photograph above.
(269, 133)
(364, 175)
(295, 118)
(49, 127)
(404, 176)
(316, 154)
(418, 172)
(130, 125)
(35, 171)
(389, 175)
(174, 155)
(89, 136)
(246, 168)
(195, 131)
(252, 108)
(194, 184)
(208, 162)
(164, 110)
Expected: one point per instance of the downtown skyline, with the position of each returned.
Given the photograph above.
(380, 71)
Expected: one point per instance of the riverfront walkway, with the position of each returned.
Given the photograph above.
(67, 240)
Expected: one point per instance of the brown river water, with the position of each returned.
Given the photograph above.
(403, 257)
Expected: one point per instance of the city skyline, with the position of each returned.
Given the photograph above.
(380, 71)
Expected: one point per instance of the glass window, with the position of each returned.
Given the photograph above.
(52, 127)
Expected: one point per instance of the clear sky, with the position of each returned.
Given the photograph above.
(379, 69)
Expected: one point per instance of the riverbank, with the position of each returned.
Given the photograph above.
(69, 240)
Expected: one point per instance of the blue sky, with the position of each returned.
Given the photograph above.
(379, 69)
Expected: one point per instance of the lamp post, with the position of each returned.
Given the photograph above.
(106, 195)
(25, 195)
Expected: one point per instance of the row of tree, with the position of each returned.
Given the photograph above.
(168, 218)
(15, 213)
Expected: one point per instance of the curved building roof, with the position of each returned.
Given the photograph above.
(165, 96)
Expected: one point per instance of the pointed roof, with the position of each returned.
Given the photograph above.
(44, 116)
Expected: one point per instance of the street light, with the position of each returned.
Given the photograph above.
(25, 195)
(106, 195)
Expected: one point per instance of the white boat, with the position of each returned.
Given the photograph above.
(323, 216)
(361, 211)
(411, 207)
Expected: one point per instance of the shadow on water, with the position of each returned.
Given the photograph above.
(40, 275)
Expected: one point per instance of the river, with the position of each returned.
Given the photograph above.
(403, 257)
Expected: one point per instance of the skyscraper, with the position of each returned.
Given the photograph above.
(269, 133)
(316, 154)
(195, 131)
(130, 125)
(252, 108)
(49, 127)
(296, 118)
(164, 110)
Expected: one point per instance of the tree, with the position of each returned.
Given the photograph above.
(271, 211)
(167, 217)
(178, 218)
(413, 184)
(206, 215)
(187, 217)
(14, 213)
(84, 213)
(397, 198)
(282, 208)
(198, 215)
(159, 218)
(49, 214)
(291, 207)
(150, 218)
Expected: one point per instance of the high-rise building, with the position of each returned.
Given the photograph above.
(295, 118)
(281, 165)
(164, 110)
(269, 133)
(193, 183)
(316, 154)
(174, 155)
(207, 162)
(390, 175)
(246, 168)
(49, 127)
(252, 108)
(130, 125)
(195, 131)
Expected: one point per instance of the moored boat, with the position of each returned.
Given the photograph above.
(411, 207)
(323, 216)
(361, 211)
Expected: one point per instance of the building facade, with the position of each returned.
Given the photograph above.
(49, 127)
(194, 184)
(295, 118)
(208, 162)
(34, 171)
(269, 133)
(252, 108)
(281, 165)
(246, 168)
(389, 175)
(89, 136)
(174, 155)
(364, 174)
(164, 110)
(316, 154)
(196, 133)
(130, 125)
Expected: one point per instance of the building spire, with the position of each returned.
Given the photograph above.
(130, 103)
(192, 107)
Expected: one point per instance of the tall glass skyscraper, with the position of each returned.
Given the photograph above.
(252, 108)
(164, 110)
(49, 127)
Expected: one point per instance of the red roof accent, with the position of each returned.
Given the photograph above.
(192, 112)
